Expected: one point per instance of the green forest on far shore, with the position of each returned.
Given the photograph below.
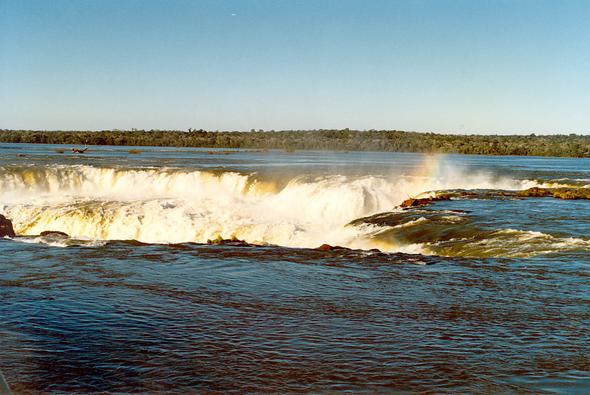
(571, 145)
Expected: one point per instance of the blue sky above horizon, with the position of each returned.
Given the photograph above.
(443, 66)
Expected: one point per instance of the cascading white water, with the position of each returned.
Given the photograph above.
(180, 205)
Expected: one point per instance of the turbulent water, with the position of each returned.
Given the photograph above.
(484, 292)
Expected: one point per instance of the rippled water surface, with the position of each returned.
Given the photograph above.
(486, 292)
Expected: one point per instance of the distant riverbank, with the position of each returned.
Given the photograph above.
(341, 140)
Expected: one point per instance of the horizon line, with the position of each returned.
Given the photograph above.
(260, 130)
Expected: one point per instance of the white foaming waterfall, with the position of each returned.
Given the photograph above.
(180, 205)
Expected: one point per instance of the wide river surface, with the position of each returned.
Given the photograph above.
(486, 292)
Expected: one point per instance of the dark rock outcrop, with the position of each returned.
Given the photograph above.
(6, 228)
(54, 233)
(558, 193)
(534, 192)
(328, 247)
(417, 202)
(234, 241)
(571, 193)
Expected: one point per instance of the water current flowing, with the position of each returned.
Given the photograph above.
(191, 270)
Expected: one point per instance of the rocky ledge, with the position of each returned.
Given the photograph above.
(417, 202)
(6, 228)
(559, 193)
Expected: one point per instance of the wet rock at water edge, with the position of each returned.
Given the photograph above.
(414, 202)
(571, 193)
(417, 202)
(328, 247)
(6, 228)
(535, 192)
(54, 233)
(234, 241)
(558, 193)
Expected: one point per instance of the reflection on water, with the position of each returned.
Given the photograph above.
(128, 317)
(125, 318)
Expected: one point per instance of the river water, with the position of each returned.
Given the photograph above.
(486, 292)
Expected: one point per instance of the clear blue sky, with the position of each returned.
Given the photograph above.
(443, 66)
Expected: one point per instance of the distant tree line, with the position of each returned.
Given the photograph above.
(339, 140)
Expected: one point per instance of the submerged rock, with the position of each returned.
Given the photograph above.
(54, 233)
(6, 228)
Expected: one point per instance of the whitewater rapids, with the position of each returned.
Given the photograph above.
(176, 205)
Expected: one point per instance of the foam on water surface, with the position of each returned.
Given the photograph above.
(180, 205)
